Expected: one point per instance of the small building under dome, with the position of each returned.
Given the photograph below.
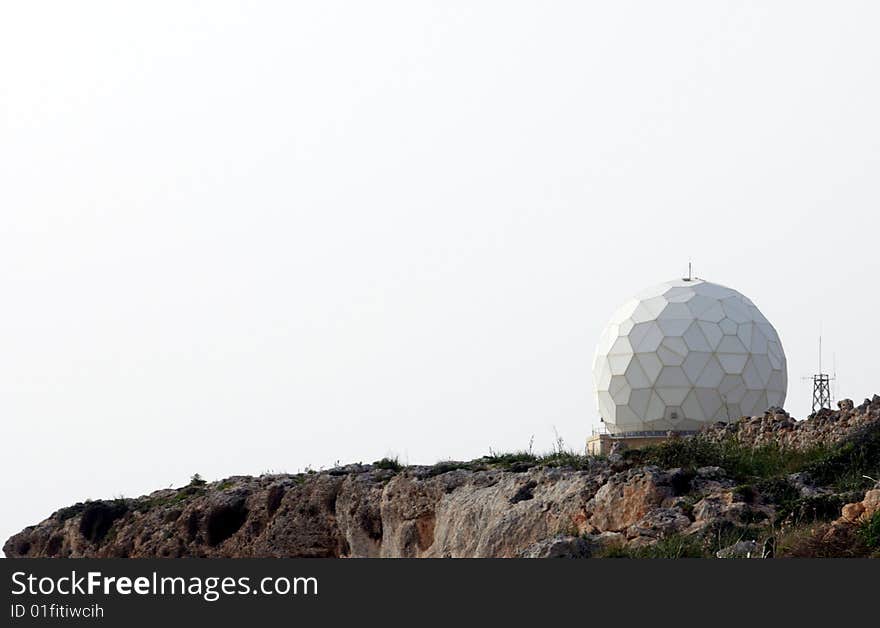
(679, 356)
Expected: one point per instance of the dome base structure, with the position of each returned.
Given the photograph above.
(602, 444)
(685, 354)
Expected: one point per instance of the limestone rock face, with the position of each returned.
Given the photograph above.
(740, 549)
(367, 512)
(364, 512)
(716, 506)
(826, 427)
(626, 498)
(658, 523)
(478, 509)
(559, 547)
(860, 512)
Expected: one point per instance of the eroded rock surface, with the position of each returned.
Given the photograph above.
(539, 508)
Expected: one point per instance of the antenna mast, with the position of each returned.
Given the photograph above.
(836, 389)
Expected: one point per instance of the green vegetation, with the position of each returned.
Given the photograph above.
(196, 480)
(565, 458)
(71, 511)
(525, 459)
(188, 491)
(522, 460)
(847, 465)
(743, 462)
(808, 541)
(777, 490)
(671, 546)
(762, 471)
(816, 508)
(143, 504)
(392, 464)
(869, 532)
(517, 461)
(707, 545)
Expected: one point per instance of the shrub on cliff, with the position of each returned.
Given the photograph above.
(846, 465)
(741, 461)
(392, 464)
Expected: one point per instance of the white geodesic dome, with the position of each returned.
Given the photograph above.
(686, 353)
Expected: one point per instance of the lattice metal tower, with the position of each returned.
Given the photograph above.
(821, 391)
(821, 386)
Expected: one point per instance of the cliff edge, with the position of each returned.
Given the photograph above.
(760, 487)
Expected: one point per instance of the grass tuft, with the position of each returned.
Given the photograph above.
(670, 546)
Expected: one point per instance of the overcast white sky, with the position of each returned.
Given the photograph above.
(239, 237)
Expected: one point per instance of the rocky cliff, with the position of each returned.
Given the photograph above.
(763, 486)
